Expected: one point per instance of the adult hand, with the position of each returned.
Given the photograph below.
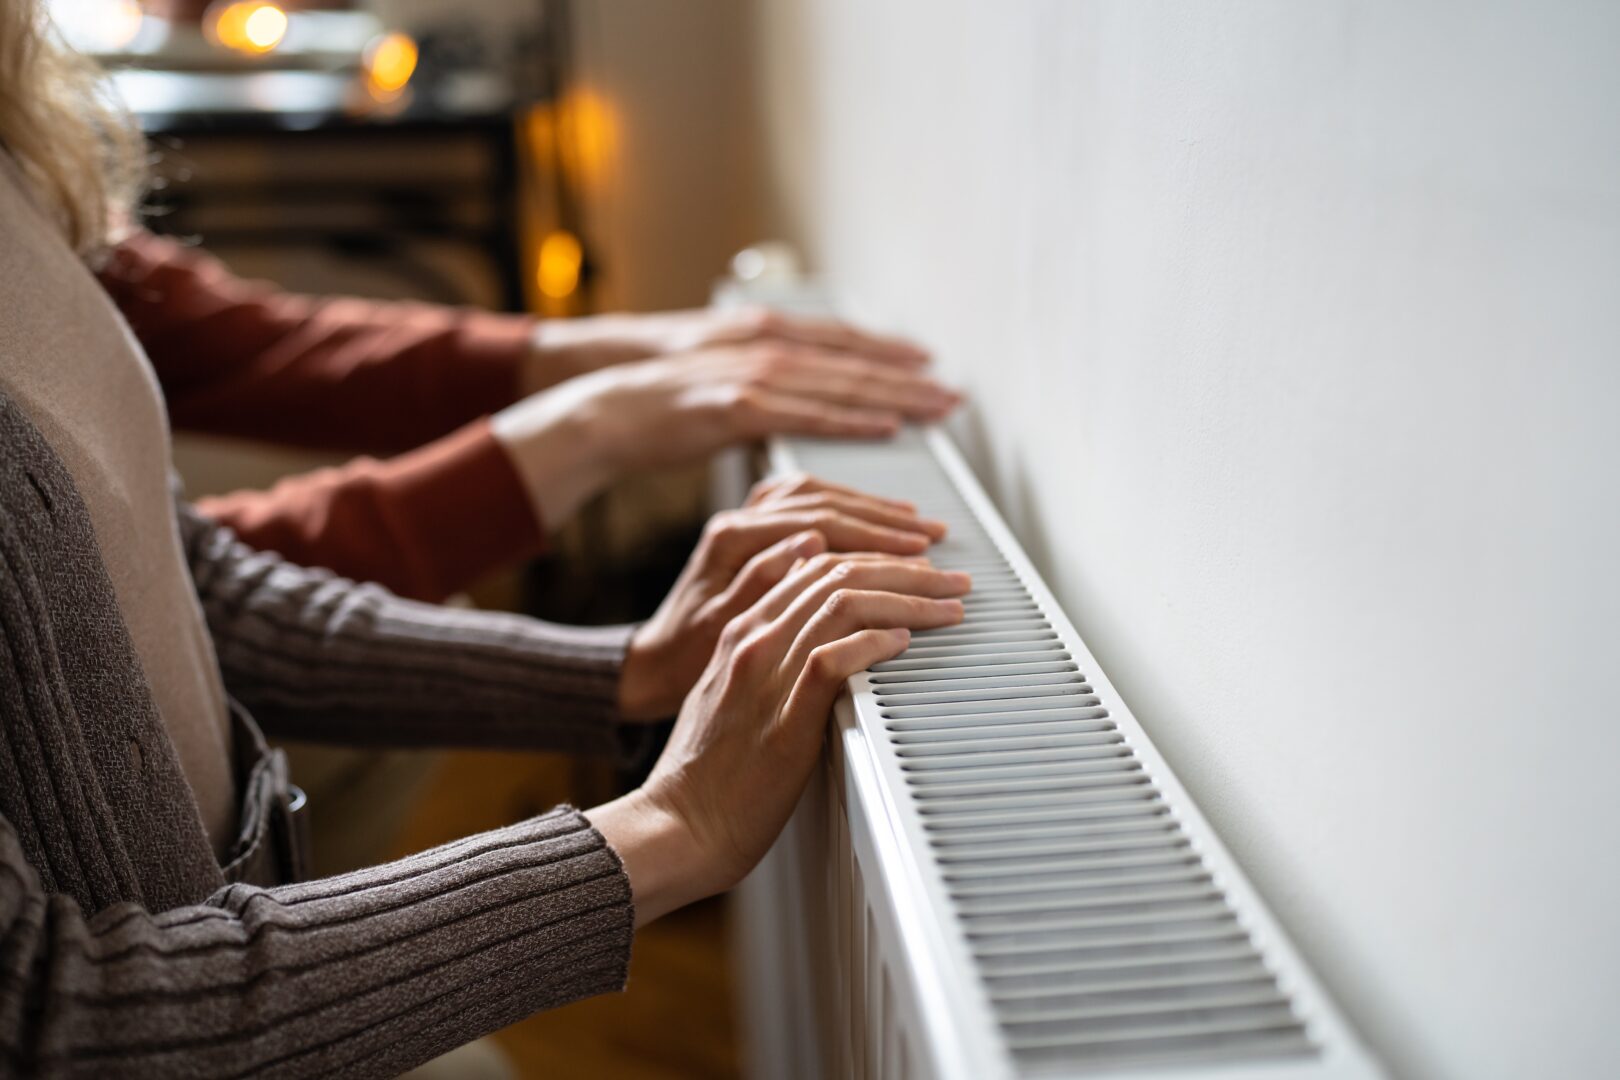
(565, 348)
(742, 554)
(749, 733)
(575, 438)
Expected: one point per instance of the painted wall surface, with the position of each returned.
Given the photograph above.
(667, 171)
(674, 196)
(1293, 335)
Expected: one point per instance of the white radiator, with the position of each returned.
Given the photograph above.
(994, 873)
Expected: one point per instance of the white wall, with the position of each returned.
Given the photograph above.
(677, 198)
(1293, 332)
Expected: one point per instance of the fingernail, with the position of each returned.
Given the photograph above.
(959, 577)
(901, 635)
(809, 544)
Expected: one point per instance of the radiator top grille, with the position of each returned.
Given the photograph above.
(1079, 885)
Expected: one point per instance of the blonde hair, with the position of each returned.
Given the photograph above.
(73, 139)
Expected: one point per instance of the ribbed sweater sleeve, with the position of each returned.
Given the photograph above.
(362, 975)
(316, 656)
(122, 954)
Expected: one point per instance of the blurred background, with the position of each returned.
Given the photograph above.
(1291, 335)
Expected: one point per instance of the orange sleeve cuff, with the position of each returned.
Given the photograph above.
(490, 351)
(238, 357)
(425, 524)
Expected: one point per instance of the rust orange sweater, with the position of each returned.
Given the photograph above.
(418, 381)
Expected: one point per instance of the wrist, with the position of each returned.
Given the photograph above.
(562, 349)
(558, 448)
(554, 356)
(661, 857)
(643, 696)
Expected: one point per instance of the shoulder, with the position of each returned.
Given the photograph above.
(37, 496)
(49, 556)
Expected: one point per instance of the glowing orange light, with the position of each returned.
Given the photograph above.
(590, 128)
(249, 26)
(390, 61)
(265, 27)
(542, 131)
(560, 260)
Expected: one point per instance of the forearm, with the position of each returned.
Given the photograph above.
(556, 443)
(565, 348)
(361, 975)
(660, 856)
(239, 357)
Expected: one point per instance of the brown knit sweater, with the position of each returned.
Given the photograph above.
(124, 948)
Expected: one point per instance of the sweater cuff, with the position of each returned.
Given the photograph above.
(396, 964)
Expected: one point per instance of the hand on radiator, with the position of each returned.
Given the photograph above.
(564, 348)
(742, 554)
(749, 733)
(574, 439)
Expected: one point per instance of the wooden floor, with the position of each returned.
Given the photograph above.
(677, 1018)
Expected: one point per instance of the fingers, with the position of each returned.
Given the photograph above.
(849, 633)
(781, 487)
(851, 594)
(863, 508)
(777, 621)
(831, 609)
(863, 570)
(846, 532)
(833, 334)
(764, 411)
(736, 536)
(766, 569)
(826, 670)
(860, 383)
